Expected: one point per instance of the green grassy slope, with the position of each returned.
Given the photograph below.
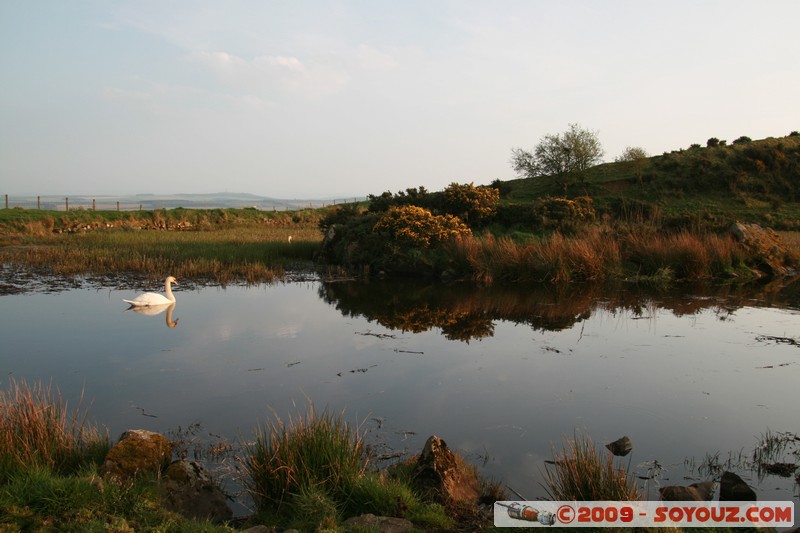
(757, 181)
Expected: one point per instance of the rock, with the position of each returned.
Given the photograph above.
(259, 529)
(770, 251)
(384, 524)
(698, 492)
(191, 492)
(443, 476)
(620, 447)
(732, 488)
(137, 451)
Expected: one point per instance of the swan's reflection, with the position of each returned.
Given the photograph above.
(157, 310)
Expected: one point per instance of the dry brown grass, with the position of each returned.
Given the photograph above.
(37, 428)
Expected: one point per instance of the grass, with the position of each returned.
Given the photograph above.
(49, 456)
(582, 472)
(598, 254)
(37, 428)
(230, 248)
(309, 450)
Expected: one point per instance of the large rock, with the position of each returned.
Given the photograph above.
(620, 447)
(384, 524)
(138, 451)
(732, 488)
(770, 251)
(443, 475)
(190, 491)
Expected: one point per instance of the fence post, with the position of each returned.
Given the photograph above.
(117, 205)
(38, 202)
(6, 201)
(67, 204)
(94, 205)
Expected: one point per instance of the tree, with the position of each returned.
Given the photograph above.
(637, 158)
(563, 156)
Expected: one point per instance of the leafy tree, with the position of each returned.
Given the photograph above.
(637, 158)
(563, 156)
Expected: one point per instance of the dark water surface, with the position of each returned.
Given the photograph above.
(502, 374)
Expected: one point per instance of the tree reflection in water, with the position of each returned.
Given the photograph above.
(467, 312)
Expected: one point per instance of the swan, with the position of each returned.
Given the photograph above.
(154, 298)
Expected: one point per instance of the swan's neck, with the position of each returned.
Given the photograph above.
(168, 290)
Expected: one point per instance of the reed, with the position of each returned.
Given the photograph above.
(37, 429)
(581, 472)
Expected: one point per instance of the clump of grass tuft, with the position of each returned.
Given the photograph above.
(37, 429)
(311, 450)
(582, 472)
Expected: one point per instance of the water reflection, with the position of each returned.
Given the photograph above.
(152, 310)
(464, 312)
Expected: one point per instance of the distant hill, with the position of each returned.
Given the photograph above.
(171, 201)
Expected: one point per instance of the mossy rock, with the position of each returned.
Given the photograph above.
(137, 452)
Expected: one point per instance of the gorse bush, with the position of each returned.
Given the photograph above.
(416, 227)
(36, 428)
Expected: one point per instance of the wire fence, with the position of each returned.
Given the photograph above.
(105, 203)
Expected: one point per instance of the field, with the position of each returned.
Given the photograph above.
(220, 245)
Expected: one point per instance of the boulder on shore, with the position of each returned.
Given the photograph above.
(138, 451)
(190, 491)
(443, 475)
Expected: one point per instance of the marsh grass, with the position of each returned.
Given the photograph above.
(598, 254)
(308, 450)
(311, 471)
(37, 428)
(249, 253)
(582, 472)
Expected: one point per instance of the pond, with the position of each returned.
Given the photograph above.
(696, 379)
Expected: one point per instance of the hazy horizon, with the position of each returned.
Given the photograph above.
(337, 98)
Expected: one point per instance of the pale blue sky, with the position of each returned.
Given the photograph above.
(301, 99)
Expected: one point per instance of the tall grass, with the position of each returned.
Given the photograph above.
(37, 429)
(597, 254)
(581, 472)
(309, 450)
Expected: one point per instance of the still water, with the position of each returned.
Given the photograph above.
(502, 374)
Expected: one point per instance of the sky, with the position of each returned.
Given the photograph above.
(339, 98)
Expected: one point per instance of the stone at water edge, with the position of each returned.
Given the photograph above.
(190, 491)
(443, 475)
(732, 488)
(697, 492)
(620, 447)
(138, 451)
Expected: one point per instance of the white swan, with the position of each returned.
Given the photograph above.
(154, 298)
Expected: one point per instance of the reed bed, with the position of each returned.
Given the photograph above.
(37, 429)
(598, 254)
(581, 472)
(252, 253)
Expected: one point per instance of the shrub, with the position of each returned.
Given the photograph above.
(470, 203)
(712, 142)
(415, 227)
(744, 139)
(563, 213)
